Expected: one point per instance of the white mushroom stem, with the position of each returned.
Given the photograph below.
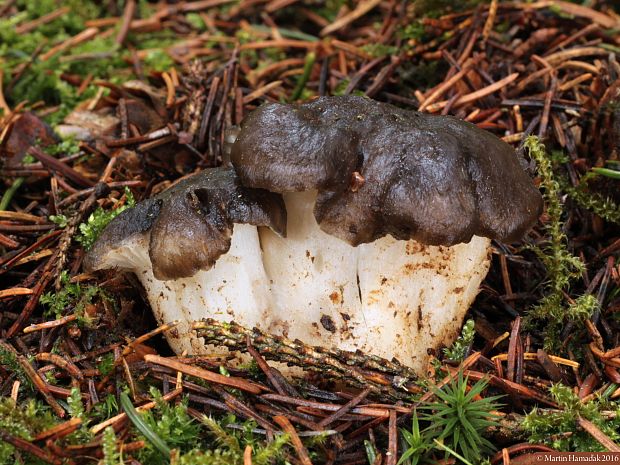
(234, 289)
(389, 298)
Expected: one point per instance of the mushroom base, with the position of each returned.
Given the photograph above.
(394, 299)
(391, 298)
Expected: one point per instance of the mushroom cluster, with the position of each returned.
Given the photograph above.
(344, 222)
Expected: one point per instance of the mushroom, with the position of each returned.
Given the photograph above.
(196, 251)
(390, 218)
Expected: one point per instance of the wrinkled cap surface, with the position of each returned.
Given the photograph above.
(191, 223)
(380, 170)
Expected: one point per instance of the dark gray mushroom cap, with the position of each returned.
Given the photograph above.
(382, 170)
(191, 223)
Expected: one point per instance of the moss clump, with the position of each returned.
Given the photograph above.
(23, 421)
(72, 296)
(562, 266)
(594, 202)
(459, 348)
(99, 219)
(561, 430)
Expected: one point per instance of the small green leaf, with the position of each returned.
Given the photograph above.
(148, 433)
(614, 174)
(371, 453)
(447, 449)
(59, 220)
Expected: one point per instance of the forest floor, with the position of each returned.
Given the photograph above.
(135, 95)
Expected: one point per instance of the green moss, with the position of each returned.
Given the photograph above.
(271, 452)
(105, 409)
(158, 60)
(196, 21)
(330, 8)
(9, 362)
(72, 296)
(561, 265)
(41, 80)
(24, 421)
(101, 57)
(377, 50)
(561, 429)
(110, 452)
(234, 444)
(145, 9)
(172, 424)
(76, 409)
(596, 203)
(209, 457)
(563, 268)
(68, 146)
(342, 86)
(459, 348)
(99, 219)
(414, 31)
(106, 364)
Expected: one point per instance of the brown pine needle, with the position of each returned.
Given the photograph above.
(532, 356)
(15, 291)
(288, 428)
(476, 95)
(206, 375)
(363, 8)
(597, 434)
